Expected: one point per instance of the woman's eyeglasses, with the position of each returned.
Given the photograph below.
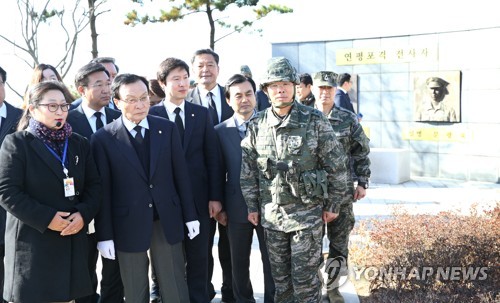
(52, 107)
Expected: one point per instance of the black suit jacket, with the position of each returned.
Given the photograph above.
(201, 153)
(342, 100)
(9, 125)
(227, 112)
(52, 267)
(80, 123)
(230, 146)
(126, 214)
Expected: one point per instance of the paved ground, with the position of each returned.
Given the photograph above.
(420, 195)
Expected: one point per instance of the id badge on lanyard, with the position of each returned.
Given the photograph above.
(68, 182)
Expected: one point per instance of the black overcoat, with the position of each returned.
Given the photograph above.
(40, 264)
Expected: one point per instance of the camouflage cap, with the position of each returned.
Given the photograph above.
(245, 71)
(280, 69)
(325, 78)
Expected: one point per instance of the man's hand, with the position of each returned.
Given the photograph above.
(193, 228)
(253, 218)
(214, 207)
(359, 193)
(222, 218)
(328, 216)
(107, 249)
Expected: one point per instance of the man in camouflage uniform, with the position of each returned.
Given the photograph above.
(355, 145)
(293, 177)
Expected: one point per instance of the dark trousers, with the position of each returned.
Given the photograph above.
(225, 262)
(240, 239)
(111, 282)
(168, 261)
(197, 263)
(93, 253)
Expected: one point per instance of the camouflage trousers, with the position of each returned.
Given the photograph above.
(338, 234)
(295, 264)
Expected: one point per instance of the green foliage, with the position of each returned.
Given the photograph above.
(447, 240)
(178, 11)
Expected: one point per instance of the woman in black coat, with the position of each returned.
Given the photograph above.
(49, 202)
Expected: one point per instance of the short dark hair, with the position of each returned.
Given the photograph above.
(205, 51)
(306, 79)
(82, 75)
(237, 79)
(345, 77)
(3, 73)
(169, 65)
(105, 60)
(124, 79)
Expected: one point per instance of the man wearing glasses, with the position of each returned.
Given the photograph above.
(112, 68)
(9, 116)
(93, 84)
(147, 195)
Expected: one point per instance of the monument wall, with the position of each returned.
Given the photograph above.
(388, 70)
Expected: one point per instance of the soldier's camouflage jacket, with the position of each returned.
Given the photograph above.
(292, 169)
(355, 144)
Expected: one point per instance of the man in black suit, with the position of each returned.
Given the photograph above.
(146, 195)
(341, 97)
(112, 68)
(93, 83)
(9, 116)
(202, 157)
(240, 95)
(205, 66)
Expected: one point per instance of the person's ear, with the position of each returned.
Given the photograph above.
(81, 90)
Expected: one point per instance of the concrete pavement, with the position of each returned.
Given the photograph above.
(418, 196)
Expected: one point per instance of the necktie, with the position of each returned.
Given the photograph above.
(243, 130)
(178, 122)
(138, 136)
(213, 107)
(98, 121)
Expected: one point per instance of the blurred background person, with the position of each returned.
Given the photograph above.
(156, 93)
(50, 188)
(46, 72)
(342, 98)
(9, 117)
(303, 89)
(260, 95)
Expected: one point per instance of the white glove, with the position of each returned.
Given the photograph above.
(193, 228)
(107, 249)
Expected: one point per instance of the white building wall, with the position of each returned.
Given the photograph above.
(386, 99)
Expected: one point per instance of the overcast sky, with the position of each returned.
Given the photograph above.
(140, 49)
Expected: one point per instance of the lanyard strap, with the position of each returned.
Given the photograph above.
(63, 160)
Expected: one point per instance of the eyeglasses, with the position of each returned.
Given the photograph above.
(52, 107)
(101, 85)
(135, 100)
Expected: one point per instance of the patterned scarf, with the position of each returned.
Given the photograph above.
(53, 138)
